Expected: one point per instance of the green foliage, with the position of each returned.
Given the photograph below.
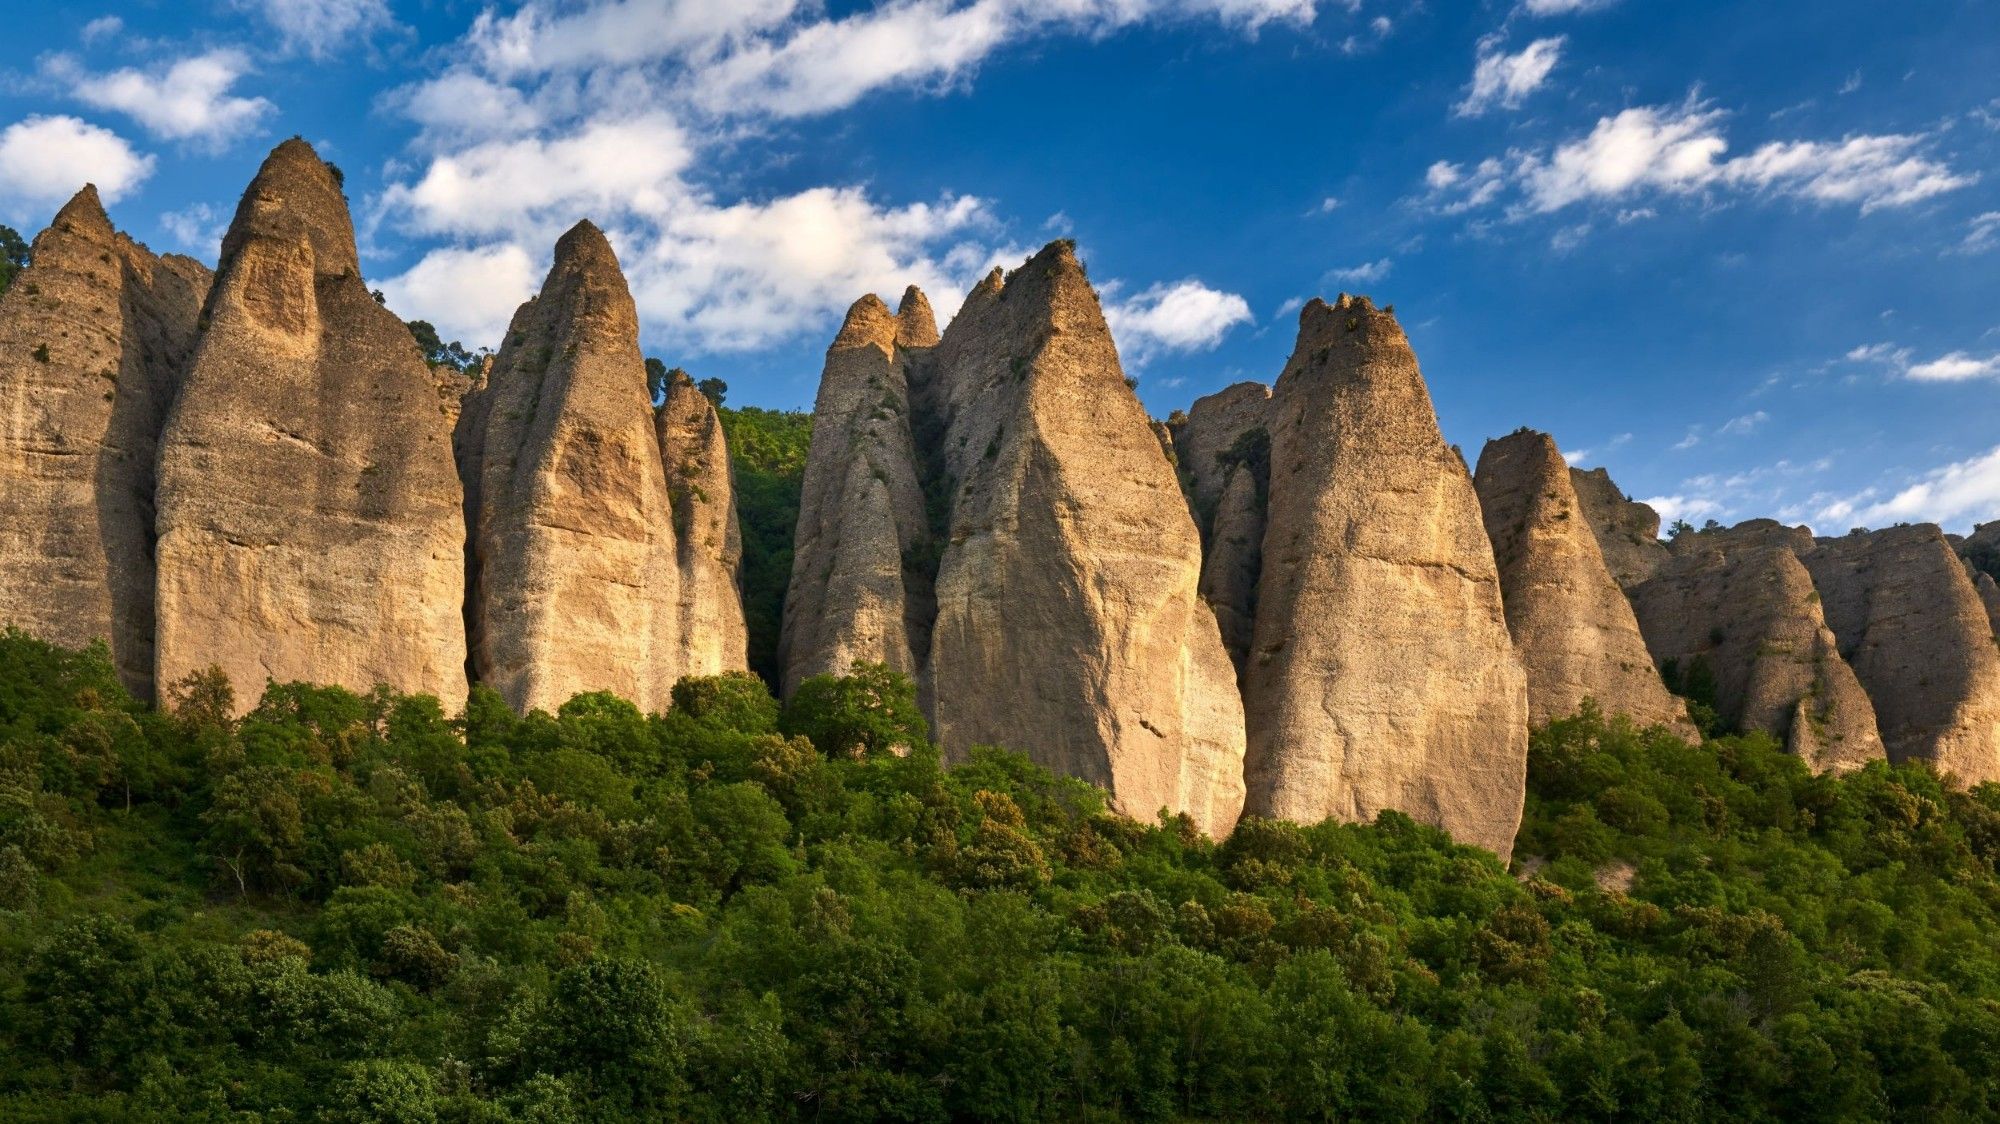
(768, 450)
(657, 380)
(14, 256)
(715, 390)
(438, 353)
(344, 907)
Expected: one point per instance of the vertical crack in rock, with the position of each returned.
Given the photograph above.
(1223, 448)
(695, 456)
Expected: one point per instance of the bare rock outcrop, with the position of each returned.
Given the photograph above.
(1628, 532)
(575, 578)
(1573, 629)
(1733, 616)
(309, 512)
(94, 337)
(1914, 629)
(695, 456)
(1224, 452)
(1382, 676)
(864, 552)
(1068, 622)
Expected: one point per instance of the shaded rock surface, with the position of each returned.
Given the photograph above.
(1068, 621)
(1382, 676)
(1914, 629)
(1223, 449)
(864, 554)
(1628, 532)
(709, 544)
(575, 574)
(1733, 616)
(1573, 629)
(309, 512)
(94, 337)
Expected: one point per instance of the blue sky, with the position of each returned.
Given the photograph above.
(1746, 256)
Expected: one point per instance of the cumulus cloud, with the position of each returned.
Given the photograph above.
(1678, 507)
(1184, 316)
(1960, 492)
(1958, 366)
(101, 28)
(189, 100)
(319, 27)
(1680, 150)
(45, 160)
(1501, 79)
(469, 295)
(198, 228)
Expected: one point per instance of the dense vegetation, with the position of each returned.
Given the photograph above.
(768, 449)
(13, 255)
(355, 908)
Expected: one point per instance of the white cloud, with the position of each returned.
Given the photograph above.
(47, 159)
(1692, 439)
(103, 27)
(469, 295)
(1576, 456)
(1506, 80)
(318, 27)
(1563, 7)
(1982, 234)
(190, 100)
(1745, 424)
(1367, 273)
(1963, 491)
(1955, 367)
(198, 228)
(1679, 150)
(1184, 316)
(1677, 507)
(1328, 205)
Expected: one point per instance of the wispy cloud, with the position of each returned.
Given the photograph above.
(1504, 80)
(1367, 273)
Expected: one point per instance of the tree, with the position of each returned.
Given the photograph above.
(1678, 528)
(438, 353)
(715, 390)
(14, 256)
(870, 712)
(656, 380)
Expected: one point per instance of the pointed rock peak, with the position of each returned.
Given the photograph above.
(869, 323)
(585, 248)
(1529, 446)
(1352, 326)
(296, 194)
(1056, 261)
(84, 214)
(916, 324)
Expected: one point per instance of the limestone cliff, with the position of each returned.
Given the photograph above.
(1914, 629)
(309, 514)
(94, 338)
(695, 457)
(864, 551)
(1223, 449)
(1572, 626)
(1628, 532)
(1381, 676)
(575, 578)
(1733, 616)
(1068, 623)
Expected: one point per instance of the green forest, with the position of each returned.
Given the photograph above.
(360, 908)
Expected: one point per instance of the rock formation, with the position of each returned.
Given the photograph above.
(309, 514)
(1912, 626)
(695, 457)
(864, 554)
(1223, 449)
(1733, 617)
(1381, 676)
(1573, 629)
(94, 337)
(1068, 623)
(1628, 532)
(575, 579)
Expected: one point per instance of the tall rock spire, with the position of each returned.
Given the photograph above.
(309, 510)
(575, 580)
(1068, 623)
(1381, 676)
(94, 338)
(1572, 626)
(709, 543)
(1628, 532)
(864, 555)
(1223, 450)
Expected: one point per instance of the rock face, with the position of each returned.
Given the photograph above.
(864, 552)
(94, 337)
(1628, 532)
(1572, 626)
(1733, 615)
(309, 514)
(1915, 631)
(1381, 676)
(695, 456)
(575, 575)
(1224, 453)
(1068, 623)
